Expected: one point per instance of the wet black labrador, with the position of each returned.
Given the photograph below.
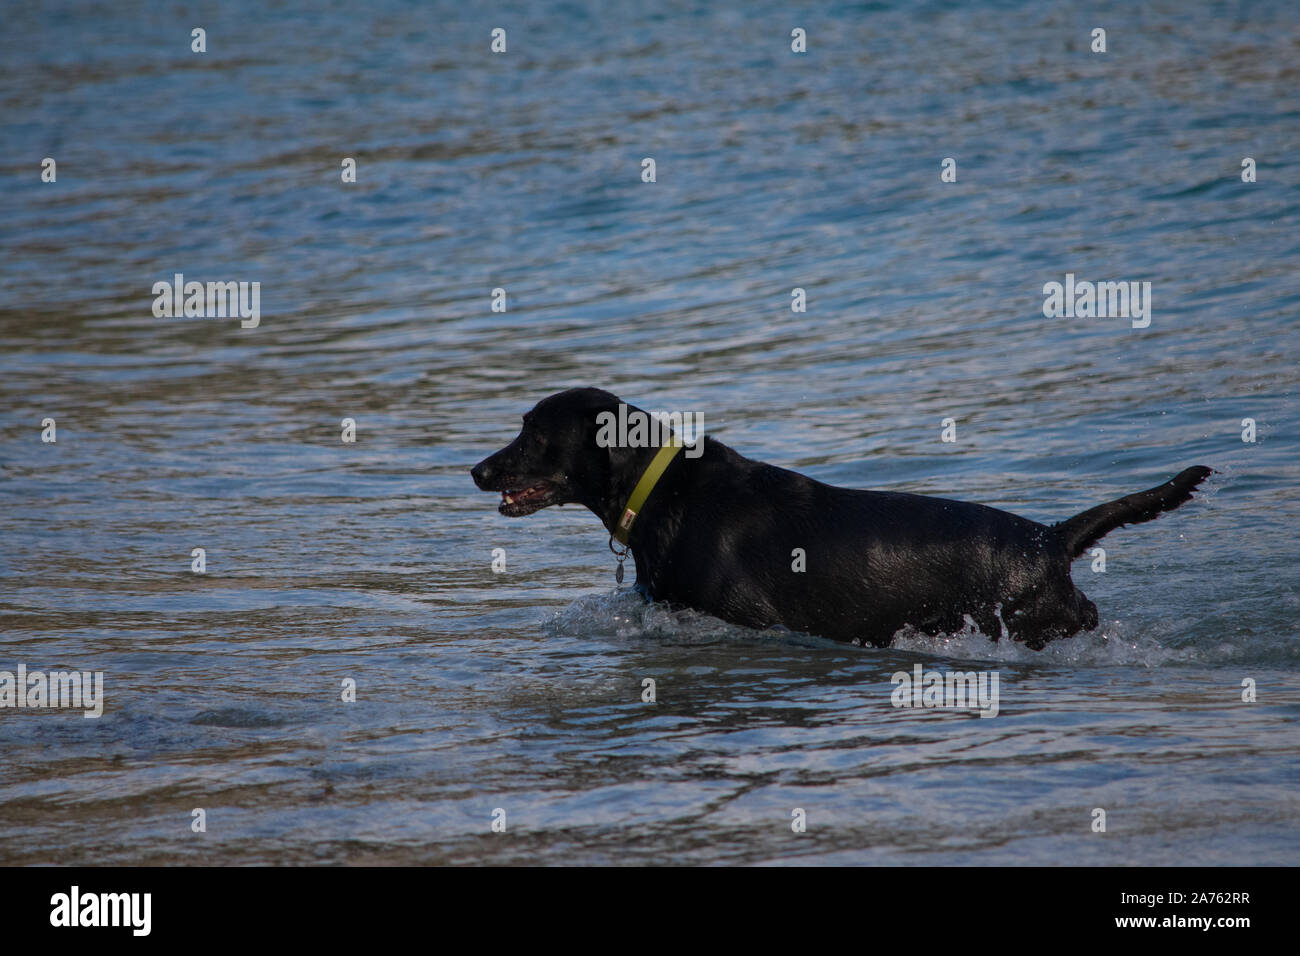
(761, 546)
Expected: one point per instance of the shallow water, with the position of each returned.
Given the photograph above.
(522, 690)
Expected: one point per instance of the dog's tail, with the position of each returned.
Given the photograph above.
(1088, 527)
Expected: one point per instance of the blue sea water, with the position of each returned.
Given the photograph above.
(521, 691)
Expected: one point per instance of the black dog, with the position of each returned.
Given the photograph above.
(720, 533)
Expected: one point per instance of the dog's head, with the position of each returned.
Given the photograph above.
(555, 460)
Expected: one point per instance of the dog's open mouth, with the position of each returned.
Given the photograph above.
(515, 503)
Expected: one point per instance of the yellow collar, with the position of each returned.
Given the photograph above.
(649, 478)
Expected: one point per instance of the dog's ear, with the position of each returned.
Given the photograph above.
(602, 432)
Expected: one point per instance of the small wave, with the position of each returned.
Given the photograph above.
(236, 717)
(622, 615)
